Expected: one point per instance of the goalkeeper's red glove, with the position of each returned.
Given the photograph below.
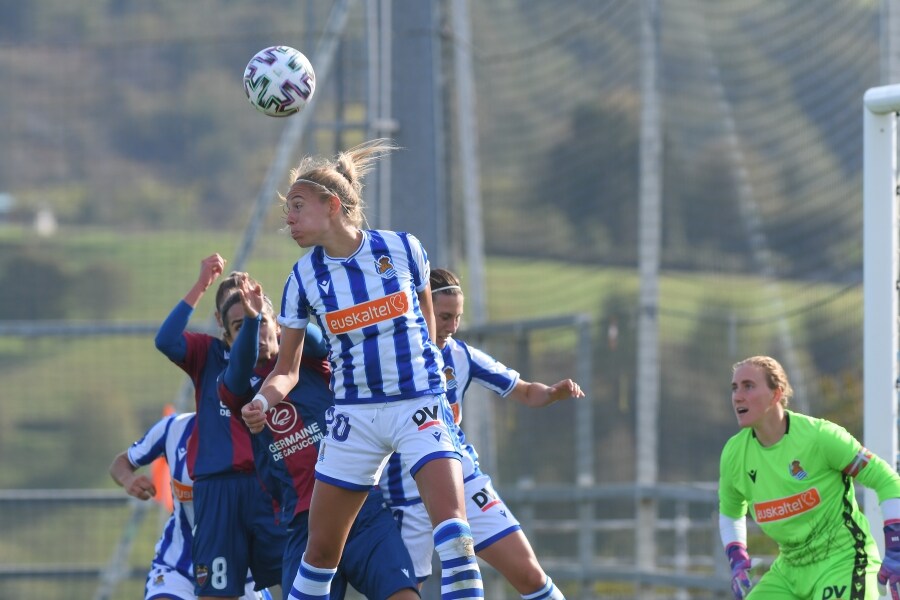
(889, 574)
(740, 570)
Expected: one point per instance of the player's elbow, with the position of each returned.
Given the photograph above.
(119, 463)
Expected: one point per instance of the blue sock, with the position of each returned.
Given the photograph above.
(460, 577)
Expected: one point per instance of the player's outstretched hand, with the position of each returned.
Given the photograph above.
(252, 297)
(889, 574)
(253, 416)
(565, 389)
(740, 570)
(211, 268)
(141, 487)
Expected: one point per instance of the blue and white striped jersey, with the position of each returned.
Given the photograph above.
(463, 364)
(367, 305)
(169, 437)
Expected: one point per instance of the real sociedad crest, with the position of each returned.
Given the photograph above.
(797, 471)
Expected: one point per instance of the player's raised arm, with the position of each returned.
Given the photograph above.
(280, 381)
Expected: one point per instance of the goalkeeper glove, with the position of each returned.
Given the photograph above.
(890, 565)
(740, 570)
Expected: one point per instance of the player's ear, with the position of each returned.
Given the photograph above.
(226, 334)
(334, 206)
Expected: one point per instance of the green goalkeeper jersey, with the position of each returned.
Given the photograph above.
(800, 490)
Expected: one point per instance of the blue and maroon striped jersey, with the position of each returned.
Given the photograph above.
(221, 442)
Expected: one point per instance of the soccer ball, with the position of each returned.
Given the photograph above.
(279, 81)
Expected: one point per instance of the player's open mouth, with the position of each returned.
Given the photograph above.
(741, 411)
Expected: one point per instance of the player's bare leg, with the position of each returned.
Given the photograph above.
(514, 558)
(332, 510)
(440, 484)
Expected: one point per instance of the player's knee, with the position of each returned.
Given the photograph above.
(322, 556)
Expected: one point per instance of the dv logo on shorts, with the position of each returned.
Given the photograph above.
(426, 417)
(834, 592)
(201, 574)
(485, 499)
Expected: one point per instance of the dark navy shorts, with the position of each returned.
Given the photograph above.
(235, 531)
(375, 561)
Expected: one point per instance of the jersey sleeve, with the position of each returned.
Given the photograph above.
(294, 313)
(490, 372)
(732, 503)
(242, 358)
(837, 446)
(845, 453)
(419, 265)
(169, 338)
(152, 445)
(878, 476)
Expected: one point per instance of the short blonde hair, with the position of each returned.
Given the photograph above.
(776, 378)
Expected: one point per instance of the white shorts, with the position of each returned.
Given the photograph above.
(361, 437)
(163, 582)
(488, 516)
(418, 536)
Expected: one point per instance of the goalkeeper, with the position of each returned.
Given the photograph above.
(795, 474)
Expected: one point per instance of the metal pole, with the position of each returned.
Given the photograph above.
(418, 188)
(470, 173)
(584, 449)
(478, 401)
(385, 124)
(890, 42)
(880, 275)
(648, 319)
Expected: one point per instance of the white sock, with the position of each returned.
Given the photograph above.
(548, 592)
(460, 577)
(311, 583)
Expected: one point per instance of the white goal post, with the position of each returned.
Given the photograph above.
(880, 279)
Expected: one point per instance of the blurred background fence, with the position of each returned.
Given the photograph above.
(637, 194)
